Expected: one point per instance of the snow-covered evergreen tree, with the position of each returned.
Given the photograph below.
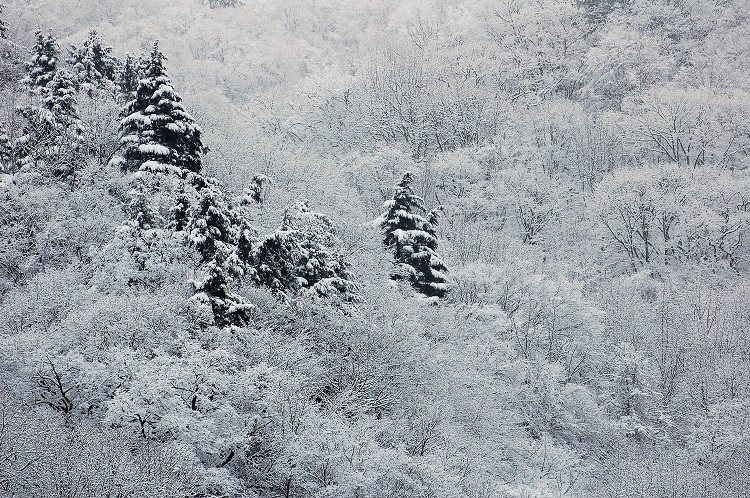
(93, 64)
(411, 235)
(212, 224)
(303, 254)
(53, 131)
(60, 98)
(179, 213)
(156, 133)
(223, 239)
(228, 308)
(245, 242)
(258, 190)
(3, 25)
(43, 64)
(129, 75)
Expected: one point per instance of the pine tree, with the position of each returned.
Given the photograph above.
(3, 25)
(53, 132)
(228, 308)
(60, 99)
(224, 239)
(179, 213)
(303, 255)
(62, 104)
(258, 190)
(132, 70)
(93, 64)
(212, 225)
(246, 242)
(43, 64)
(275, 261)
(157, 134)
(412, 238)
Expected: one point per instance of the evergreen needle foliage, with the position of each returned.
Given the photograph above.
(410, 233)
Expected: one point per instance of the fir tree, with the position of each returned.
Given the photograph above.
(413, 240)
(246, 242)
(43, 64)
(3, 25)
(60, 99)
(157, 134)
(212, 224)
(224, 239)
(258, 190)
(93, 64)
(274, 260)
(303, 255)
(132, 70)
(179, 213)
(53, 131)
(228, 308)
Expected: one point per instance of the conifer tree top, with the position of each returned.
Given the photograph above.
(155, 68)
(3, 25)
(93, 63)
(43, 63)
(412, 237)
(156, 132)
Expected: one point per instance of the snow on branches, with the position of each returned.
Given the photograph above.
(411, 235)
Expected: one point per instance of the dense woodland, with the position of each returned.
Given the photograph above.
(385, 248)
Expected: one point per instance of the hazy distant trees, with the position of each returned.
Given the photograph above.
(223, 3)
(598, 10)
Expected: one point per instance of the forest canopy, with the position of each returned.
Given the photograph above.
(321, 248)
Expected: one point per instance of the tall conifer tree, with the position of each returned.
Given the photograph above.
(53, 132)
(413, 240)
(156, 133)
(93, 64)
(43, 64)
(304, 255)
